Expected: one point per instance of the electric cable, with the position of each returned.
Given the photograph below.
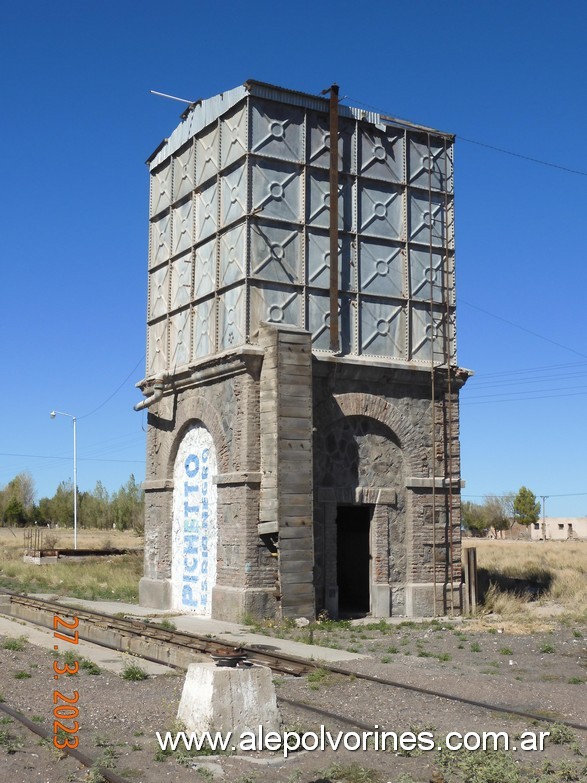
(115, 392)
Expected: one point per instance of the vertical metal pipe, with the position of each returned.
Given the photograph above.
(432, 375)
(74, 483)
(448, 359)
(334, 336)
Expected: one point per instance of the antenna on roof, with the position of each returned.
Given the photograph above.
(172, 97)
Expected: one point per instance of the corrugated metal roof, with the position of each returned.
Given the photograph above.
(203, 112)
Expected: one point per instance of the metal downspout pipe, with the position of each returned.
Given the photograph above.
(154, 394)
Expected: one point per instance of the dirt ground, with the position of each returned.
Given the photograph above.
(543, 673)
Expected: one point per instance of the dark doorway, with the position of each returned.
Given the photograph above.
(353, 558)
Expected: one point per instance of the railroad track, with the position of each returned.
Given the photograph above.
(90, 763)
(147, 640)
(178, 649)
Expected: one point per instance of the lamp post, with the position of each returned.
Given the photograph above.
(60, 413)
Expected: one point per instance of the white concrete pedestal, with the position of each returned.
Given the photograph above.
(221, 698)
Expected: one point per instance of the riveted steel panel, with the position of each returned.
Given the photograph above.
(275, 304)
(232, 318)
(430, 164)
(160, 243)
(233, 255)
(275, 253)
(318, 322)
(381, 211)
(318, 133)
(181, 281)
(381, 154)
(179, 339)
(427, 333)
(277, 191)
(204, 328)
(183, 227)
(234, 136)
(277, 130)
(157, 347)
(233, 195)
(205, 269)
(184, 172)
(318, 200)
(161, 189)
(202, 114)
(207, 154)
(158, 292)
(382, 268)
(427, 218)
(427, 274)
(206, 212)
(318, 261)
(240, 228)
(383, 328)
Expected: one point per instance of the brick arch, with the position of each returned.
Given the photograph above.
(193, 410)
(374, 407)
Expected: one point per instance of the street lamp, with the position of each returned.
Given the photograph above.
(60, 413)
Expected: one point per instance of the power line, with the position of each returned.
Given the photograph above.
(118, 388)
(523, 328)
(538, 379)
(502, 497)
(502, 150)
(524, 157)
(531, 369)
(524, 399)
(81, 459)
(524, 391)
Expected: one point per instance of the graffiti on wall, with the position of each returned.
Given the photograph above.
(195, 530)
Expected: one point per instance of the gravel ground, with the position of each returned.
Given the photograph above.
(542, 673)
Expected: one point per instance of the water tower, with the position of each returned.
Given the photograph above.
(301, 385)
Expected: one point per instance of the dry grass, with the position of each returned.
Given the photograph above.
(12, 539)
(562, 563)
(114, 578)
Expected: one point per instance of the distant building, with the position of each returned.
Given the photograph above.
(559, 529)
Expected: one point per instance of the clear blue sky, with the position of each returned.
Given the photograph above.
(78, 122)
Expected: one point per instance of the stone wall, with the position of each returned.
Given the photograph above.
(374, 446)
(224, 397)
(297, 436)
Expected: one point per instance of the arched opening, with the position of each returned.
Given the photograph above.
(194, 525)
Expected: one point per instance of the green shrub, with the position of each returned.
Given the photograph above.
(16, 645)
(133, 672)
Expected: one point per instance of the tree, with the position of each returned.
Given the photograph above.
(14, 514)
(499, 511)
(474, 519)
(526, 507)
(127, 506)
(21, 489)
(94, 507)
(59, 509)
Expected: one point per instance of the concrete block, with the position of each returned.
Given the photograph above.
(235, 603)
(380, 600)
(420, 599)
(155, 593)
(217, 698)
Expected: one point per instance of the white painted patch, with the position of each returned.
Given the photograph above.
(195, 526)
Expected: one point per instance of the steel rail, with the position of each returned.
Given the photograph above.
(87, 761)
(460, 699)
(183, 640)
(285, 663)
